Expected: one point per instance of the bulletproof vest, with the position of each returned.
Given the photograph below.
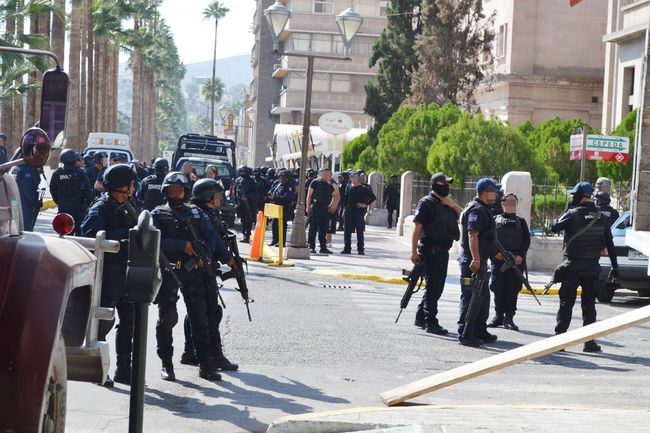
(69, 184)
(509, 231)
(171, 227)
(215, 217)
(245, 188)
(280, 189)
(118, 224)
(486, 244)
(392, 194)
(442, 229)
(153, 195)
(588, 245)
(322, 195)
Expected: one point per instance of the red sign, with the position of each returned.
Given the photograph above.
(594, 155)
(574, 2)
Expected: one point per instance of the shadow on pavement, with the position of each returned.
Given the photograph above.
(292, 387)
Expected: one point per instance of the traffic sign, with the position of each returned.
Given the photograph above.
(600, 148)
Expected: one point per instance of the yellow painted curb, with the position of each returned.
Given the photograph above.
(391, 280)
(48, 204)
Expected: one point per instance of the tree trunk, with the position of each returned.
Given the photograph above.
(18, 104)
(30, 111)
(214, 78)
(100, 74)
(83, 77)
(147, 120)
(90, 79)
(116, 85)
(74, 140)
(7, 118)
(107, 89)
(136, 119)
(58, 32)
(43, 26)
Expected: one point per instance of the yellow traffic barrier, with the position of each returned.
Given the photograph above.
(275, 211)
(48, 204)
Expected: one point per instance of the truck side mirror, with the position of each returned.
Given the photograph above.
(54, 102)
(143, 277)
(35, 147)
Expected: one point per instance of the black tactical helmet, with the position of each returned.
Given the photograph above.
(393, 176)
(99, 155)
(243, 168)
(175, 178)
(603, 197)
(118, 176)
(161, 164)
(68, 156)
(205, 189)
(284, 173)
(271, 172)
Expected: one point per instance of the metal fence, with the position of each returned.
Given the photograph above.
(548, 201)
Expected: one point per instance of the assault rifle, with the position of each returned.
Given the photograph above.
(237, 271)
(414, 278)
(164, 262)
(475, 284)
(509, 263)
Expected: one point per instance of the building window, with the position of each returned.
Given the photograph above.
(300, 41)
(629, 98)
(323, 6)
(340, 83)
(363, 46)
(321, 82)
(383, 4)
(300, 5)
(297, 81)
(501, 41)
(368, 8)
(321, 43)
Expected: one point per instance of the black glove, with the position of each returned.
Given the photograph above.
(613, 274)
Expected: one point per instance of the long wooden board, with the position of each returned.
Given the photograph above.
(515, 356)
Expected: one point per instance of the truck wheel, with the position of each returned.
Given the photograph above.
(54, 400)
(604, 292)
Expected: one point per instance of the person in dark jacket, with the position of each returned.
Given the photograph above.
(28, 179)
(602, 203)
(150, 190)
(281, 193)
(357, 199)
(513, 234)
(4, 157)
(391, 198)
(70, 189)
(322, 200)
(586, 233)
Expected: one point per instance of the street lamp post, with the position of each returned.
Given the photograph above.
(348, 22)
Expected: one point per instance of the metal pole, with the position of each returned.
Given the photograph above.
(298, 238)
(583, 159)
(138, 368)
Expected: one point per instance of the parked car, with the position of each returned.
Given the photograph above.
(110, 144)
(204, 150)
(633, 265)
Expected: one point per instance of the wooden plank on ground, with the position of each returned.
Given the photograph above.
(515, 356)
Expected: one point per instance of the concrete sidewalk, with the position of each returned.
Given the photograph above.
(474, 418)
(386, 255)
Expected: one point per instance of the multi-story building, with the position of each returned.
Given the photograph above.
(278, 85)
(547, 61)
(627, 22)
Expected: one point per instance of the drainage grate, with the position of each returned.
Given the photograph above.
(335, 286)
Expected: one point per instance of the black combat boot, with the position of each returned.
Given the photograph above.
(222, 363)
(208, 371)
(188, 357)
(591, 347)
(167, 372)
(123, 369)
(108, 383)
(508, 323)
(496, 321)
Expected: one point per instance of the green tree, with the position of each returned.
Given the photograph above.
(212, 92)
(550, 141)
(409, 134)
(367, 160)
(395, 53)
(616, 171)
(454, 35)
(215, 11)
(352, 150)
(478, 146)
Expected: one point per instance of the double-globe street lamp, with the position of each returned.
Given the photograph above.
(348, 22)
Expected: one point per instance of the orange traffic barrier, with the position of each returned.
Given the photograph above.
(258, 237)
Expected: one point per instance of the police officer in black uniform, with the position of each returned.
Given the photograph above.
(391, 198)
(70, 189)
(281, 193)
(513, 234)
(436, 229)
(586, 233)
(97, 167)
(107, 213)
(176, 242)
(150, 193)
(206, 194)
(357, 199)
(602, 203)
(246, 201)
(28, 179)
(477, 241)
(261, 189)
(322, 199)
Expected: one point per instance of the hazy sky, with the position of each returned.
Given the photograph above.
(194, 36)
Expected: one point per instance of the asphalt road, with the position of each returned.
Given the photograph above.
(320, 343)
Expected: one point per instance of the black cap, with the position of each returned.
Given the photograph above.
(441, 177)
(392, 176)
(603, 197)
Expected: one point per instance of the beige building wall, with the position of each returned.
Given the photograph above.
(627, 21)
(547, 61)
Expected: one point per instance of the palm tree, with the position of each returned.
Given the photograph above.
(215, 11)
(212, 90)
(73, 137)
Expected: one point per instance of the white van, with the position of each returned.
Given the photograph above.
(109, 143)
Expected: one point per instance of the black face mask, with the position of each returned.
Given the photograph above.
(575, 201)
(441, 190)
(175, 202)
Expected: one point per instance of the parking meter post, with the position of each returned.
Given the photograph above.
(143, 280)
